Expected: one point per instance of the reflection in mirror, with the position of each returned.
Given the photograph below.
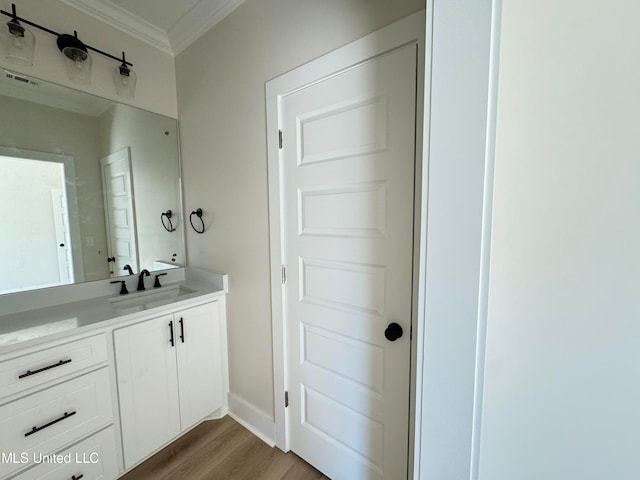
(83, 182)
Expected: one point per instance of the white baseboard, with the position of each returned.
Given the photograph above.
(253, 419)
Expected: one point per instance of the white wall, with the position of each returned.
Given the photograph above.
(221, 100)
(156, 89)
(562, 396)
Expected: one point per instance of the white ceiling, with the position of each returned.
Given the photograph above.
(170, 25)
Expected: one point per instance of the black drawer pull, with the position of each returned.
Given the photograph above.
(73, 477)
(171, 334)
(37, 429)
(182, 329)
(28, 373)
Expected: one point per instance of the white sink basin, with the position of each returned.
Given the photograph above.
(136, 302)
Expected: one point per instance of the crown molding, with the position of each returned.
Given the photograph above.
(204, 15)
(123, 20)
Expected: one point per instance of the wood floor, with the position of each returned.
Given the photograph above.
(223, 449)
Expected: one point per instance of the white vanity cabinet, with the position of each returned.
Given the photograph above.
(169, 375)
(52, 397)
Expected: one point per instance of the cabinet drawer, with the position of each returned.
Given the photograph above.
(44, 422)
(19, 373)
(91, 459)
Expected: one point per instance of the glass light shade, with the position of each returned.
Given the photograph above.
(125, 80)
(18, 43)
(78, 64)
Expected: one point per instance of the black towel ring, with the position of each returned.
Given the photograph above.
(198, 213)
(168, 226)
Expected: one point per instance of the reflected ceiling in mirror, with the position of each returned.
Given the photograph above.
(83, 181)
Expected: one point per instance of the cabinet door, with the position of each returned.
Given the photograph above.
(147, 387)
(199, 362)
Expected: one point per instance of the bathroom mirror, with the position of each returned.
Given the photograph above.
(83, 184)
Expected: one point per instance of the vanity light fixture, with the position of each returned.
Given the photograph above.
(76, 58)
(18, 42)
(125, 79)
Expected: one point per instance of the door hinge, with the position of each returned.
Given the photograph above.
(280, 139)
(284, 274)
(286, 399)
(411, 332)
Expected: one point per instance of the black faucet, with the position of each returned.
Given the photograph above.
(156, 284)
(128, 268)
(143, 273)
(123, 286)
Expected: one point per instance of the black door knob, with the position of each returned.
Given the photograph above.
(62, 244)
(393, 332)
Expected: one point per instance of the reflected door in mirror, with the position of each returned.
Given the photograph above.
(119, 210)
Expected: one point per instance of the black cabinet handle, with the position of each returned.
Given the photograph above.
(182, 329)
(73, 477)
(171, 334)
(28, 373)
(53, 422)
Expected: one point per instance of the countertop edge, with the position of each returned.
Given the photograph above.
(203, 294)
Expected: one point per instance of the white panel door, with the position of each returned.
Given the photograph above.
(117, 185)
(348, 195)
(63, 235)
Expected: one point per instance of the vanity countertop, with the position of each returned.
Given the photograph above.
(33, 326)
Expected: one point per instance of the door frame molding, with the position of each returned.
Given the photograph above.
(407, 31)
